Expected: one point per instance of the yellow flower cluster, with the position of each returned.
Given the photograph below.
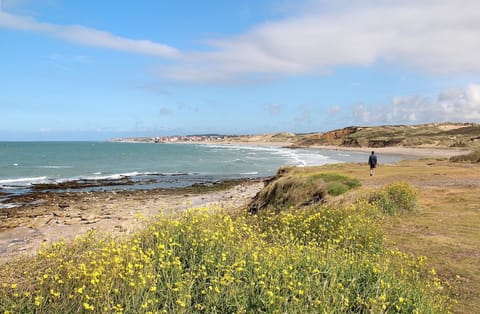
(316, 260)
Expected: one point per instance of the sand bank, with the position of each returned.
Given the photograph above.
(407, 152)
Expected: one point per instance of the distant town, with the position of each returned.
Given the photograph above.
(178, 139)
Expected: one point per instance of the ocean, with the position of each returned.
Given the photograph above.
(84, 166)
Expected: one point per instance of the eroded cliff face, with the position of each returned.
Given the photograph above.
(438, 135)
(335, 137)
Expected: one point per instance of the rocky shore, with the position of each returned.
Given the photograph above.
(48, 216)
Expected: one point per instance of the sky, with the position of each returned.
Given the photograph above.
(93, 70)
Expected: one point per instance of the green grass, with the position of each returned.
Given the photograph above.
(299, 187)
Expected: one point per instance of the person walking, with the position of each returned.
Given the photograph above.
(372, 161)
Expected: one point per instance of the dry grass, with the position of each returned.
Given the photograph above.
(446, 227)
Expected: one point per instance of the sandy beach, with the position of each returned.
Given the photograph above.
(49, 217)
(406, 152)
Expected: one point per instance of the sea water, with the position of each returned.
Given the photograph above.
(149, 165)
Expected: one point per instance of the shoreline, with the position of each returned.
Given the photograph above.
(48, 216)
(52, 216)
(408, 152)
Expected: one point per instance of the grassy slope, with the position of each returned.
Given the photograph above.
(446, 228)
(447, 135)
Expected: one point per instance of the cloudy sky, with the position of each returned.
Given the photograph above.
(99, 69)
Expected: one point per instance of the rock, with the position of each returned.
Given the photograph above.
(58, 213)
(88, 217)
(120, 228)
(74, 221)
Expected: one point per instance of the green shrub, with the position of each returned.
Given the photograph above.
(298, 187)
(396, 198)
(336, 188)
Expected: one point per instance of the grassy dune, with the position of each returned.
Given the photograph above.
(436, 135)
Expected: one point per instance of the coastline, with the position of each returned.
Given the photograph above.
(51, 216)
(47, 217)
(407, 152)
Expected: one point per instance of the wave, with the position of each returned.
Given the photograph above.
(55, 167)
(241, 147)
(114, 176)
(7, 206)
(133, 174)
(249, 173)
(97, 176)
(23, 181)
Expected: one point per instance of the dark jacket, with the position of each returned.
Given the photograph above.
(372, 161)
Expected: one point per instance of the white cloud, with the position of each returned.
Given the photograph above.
(453, 105)
(435, 36)
(88, 36)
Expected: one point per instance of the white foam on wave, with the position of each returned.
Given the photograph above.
(7, 206)
(54, 167)
(315, 158)
(115, 176)
(249, 173)
(303, 158)
(240, 147)
(23, 181)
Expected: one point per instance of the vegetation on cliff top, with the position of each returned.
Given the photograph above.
(442, 135)
(297, 187)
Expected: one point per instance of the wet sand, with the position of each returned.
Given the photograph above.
(406, 152)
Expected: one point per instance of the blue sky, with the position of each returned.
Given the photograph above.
(79, 70)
